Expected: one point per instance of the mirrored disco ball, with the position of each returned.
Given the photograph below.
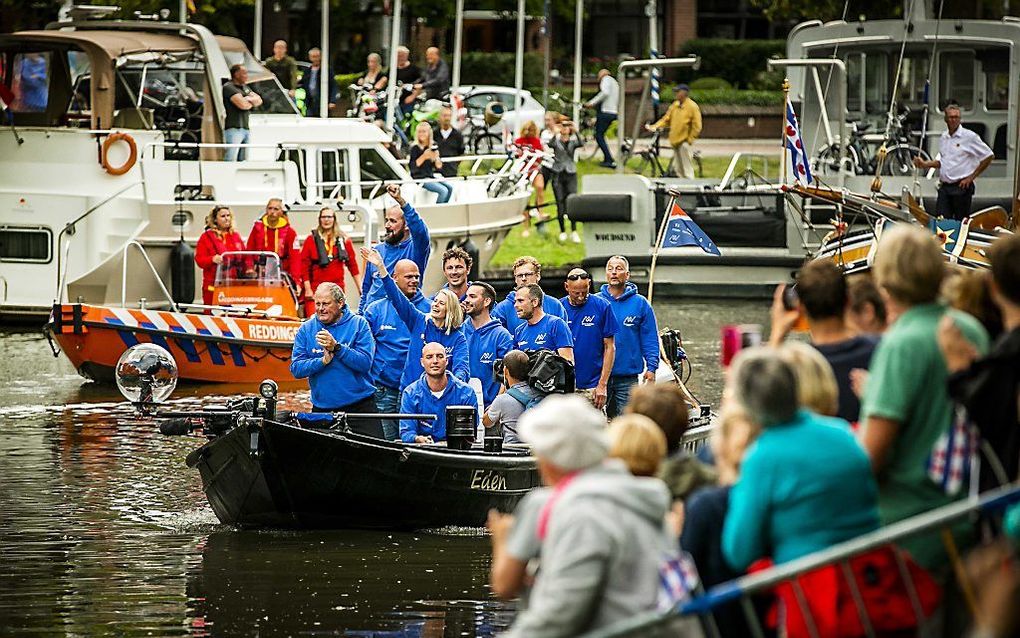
(146, 373)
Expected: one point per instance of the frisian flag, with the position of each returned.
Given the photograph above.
(795, 144)
(682, 231)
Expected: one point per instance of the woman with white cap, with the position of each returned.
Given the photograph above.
(589, 578)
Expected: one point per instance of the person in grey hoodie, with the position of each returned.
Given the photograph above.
(602, 531)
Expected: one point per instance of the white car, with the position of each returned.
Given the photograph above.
(477, 97)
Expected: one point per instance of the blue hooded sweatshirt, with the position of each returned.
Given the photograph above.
(417, 398)
(347, 378)
(485, 345)
(505, 314)
(423, 330)
(417, 248)
(637, 342)
(446, 286)
(391, 339)
(590, 324)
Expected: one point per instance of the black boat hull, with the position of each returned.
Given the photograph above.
(277, 475)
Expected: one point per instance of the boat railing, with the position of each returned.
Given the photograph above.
(151, 147)
(69, 229)
(743, 589)
(696, 438)
(152, 269)
(239, 311)
(749, 159)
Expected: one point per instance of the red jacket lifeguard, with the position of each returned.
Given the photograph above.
(273, 233)
(219, 237)
(325, 256)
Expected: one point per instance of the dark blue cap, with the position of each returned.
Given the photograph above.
(683, 87)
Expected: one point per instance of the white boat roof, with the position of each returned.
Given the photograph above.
(295, 129)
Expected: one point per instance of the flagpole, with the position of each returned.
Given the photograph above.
(673, 194)
(786, 109)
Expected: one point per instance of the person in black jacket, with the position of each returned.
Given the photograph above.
(989, 387)
(311, 83)
(450, 142)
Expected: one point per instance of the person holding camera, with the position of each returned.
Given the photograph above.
(508, 407)
(564, 174)
(424, 162)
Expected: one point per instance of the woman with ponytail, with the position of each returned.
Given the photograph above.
(220, 236)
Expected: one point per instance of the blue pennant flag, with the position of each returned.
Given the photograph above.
(682, 231)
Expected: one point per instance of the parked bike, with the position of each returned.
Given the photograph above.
(901, 150)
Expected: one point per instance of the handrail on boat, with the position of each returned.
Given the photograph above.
(69, 229)
(731, 169)
(123, 273)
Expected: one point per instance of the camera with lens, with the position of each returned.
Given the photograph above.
(434, 148)
(548, 372)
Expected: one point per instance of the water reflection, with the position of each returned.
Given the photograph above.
(103, 529)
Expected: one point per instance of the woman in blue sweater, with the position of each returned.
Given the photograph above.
(442, 324)
(805, 484)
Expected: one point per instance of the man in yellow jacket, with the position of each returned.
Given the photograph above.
(684, 120)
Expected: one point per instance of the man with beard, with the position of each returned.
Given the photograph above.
(539, 330)
(391, 341)
(273, 233)
(334, 351)
(593, 326)
(487, 339)
(433, 392)
(456, 266)
(407, 237)
(637, 342)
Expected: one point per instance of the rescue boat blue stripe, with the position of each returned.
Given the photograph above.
(177, 328)
(235, 352)
(147, 324)
(215, 354)
(187, 346)
(161, 342)
(126, 336)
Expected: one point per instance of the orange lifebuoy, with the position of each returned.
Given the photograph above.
(132, 153)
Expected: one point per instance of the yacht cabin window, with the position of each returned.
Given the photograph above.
(374, 170)
(956, 79)
(30, 81)
(332, 164)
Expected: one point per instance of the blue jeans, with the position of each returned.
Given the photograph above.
(618, 393)
(444, 190)
(236, 136)
(602, 122)
(388, 400)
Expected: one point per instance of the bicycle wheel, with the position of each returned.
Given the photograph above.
(827, 161)
(486, 144)
(899, 160)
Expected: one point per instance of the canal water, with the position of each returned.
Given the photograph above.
(104, 530)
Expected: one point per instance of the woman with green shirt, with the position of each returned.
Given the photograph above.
(805, 484)
(906, 407)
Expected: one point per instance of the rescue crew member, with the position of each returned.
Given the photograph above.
(963, 157)
(508, 407)
(637, 342)
(539, 330)
(391, 340)
(334, 351)
(273, 233)
(325, 255)
(434, 391)
(487, 339)
(220, 236)
(456, 266)
(407, 237)
(441, 324)
(526, 271)
(593, 326)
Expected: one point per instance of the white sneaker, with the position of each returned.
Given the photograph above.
(563, 237)
(574, 237)
(525, 232)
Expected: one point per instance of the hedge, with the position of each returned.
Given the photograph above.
(742, 63)
(477, 67)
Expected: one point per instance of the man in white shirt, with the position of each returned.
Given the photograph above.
(606, 102)
(963, 156)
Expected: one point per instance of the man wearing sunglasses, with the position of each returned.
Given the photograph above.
(526, 271)
(594, 327)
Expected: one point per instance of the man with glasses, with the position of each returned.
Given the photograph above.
(593, 327)
(273, 233)
(637, 342)
(963, 156)
(540, 331)
(526, 271)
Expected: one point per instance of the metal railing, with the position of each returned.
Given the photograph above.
(741, 589)
(152, 269)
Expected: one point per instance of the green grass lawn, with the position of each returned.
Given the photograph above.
(550, 252)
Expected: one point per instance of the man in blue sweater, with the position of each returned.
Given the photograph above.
(593, 327)
(334, 351)
(487, 339)
(391, 341)
(539, 330)
(432, 393)
(526, 271)
(637, 342)
(457, 265)
(407, 237)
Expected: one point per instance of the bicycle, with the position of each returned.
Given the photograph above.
(478, 131)
(899, 155)
(651, 158)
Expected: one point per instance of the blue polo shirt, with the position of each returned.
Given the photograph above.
(550, 333)
(589, 323)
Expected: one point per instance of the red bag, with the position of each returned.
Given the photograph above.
(831, 603)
